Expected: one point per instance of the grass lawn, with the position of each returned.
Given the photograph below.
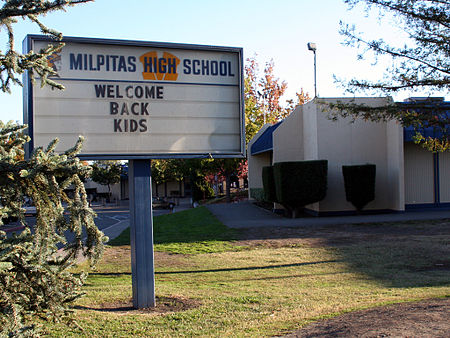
(213, 281)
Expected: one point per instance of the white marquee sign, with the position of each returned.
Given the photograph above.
(134, 99)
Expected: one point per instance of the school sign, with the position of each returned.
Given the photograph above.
(133, 99)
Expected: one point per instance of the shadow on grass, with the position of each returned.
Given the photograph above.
(163, 305)
(401, 254)
(250, 268)
(404, 254)
(245, 268)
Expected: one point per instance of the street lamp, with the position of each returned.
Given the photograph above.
(312, 46)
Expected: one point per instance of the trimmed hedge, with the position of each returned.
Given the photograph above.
(359, 181)
(269, 184)
(300, 183)
(257, 194)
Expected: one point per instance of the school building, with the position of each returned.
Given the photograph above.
(407, 175)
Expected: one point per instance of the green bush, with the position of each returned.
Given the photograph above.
(257, 194)
(300, 183)
(270, 193)
(200, 188)
(359, 181)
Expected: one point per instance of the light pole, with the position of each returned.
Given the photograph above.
(312, 46)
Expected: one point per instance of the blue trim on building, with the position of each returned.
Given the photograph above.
(428, 206)
(264, 142)
(437, 193)
(431, 107)
(350, 212)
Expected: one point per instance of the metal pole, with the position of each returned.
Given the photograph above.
(141, 234)
(315, 75)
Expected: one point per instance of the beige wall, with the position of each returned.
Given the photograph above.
(171, 187)
(346, 143)
(395, 163)
(310, 137)
(419, 175)
(307, 134)
(288, 138)
(115, 188)
(444, 173)
(256, 163)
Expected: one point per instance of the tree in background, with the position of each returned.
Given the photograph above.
(178, 170)
(421, 64)
(263, 97)
(263, 104)
(106, 173)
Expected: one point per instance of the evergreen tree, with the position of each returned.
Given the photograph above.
(12, 63)
(35, 281)
(422, 63)
(35, 278)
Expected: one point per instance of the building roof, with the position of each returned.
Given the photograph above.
(265, 141)
(425, 105)
(434, 106)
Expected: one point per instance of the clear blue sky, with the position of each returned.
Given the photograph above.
(277, 30)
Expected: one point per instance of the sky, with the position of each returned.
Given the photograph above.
(278, 30)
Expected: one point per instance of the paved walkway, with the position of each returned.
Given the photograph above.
(247, 215)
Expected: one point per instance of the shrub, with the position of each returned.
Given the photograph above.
(200, 188)
(257, 194)
(359, 181)
(300, 183)
(270, 193)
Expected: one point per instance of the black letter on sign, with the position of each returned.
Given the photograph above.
(133, 126)
(143, 124)
(117, 127)
(144, 107)
(113, 108)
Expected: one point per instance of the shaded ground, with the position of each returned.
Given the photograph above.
(164, 305)
(429, 318)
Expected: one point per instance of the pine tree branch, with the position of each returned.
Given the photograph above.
(21, 8)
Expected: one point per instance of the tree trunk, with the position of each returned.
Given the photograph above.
(228, 187)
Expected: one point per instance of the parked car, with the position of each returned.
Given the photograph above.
(162, 203)
(30, 208)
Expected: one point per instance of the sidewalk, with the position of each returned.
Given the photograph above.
(248, 215)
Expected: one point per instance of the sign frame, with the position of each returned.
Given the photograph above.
(28, 103)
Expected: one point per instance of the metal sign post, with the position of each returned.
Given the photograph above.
(141, 234)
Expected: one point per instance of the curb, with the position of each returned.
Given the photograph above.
(11, 229)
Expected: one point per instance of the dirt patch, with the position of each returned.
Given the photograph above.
(121, 255)
(430, 318)
(340, 235)
(164, 305)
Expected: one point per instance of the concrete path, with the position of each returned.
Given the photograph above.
(112, 219)
(247, 215)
